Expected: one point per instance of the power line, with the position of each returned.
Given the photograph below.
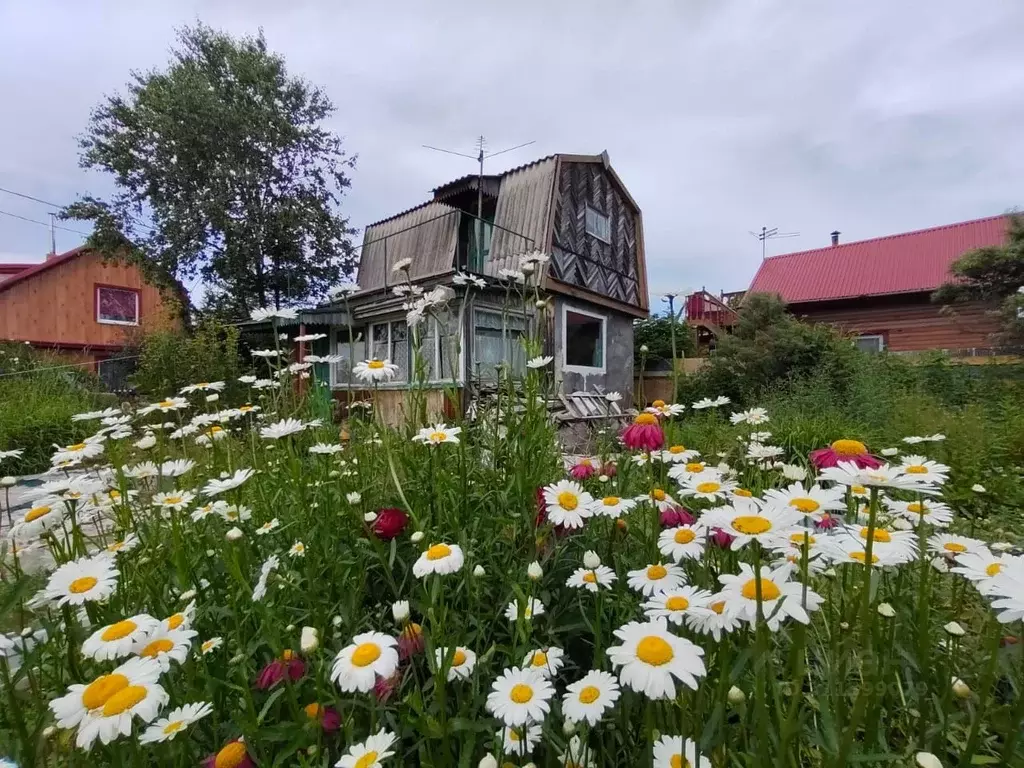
(28, 371)
(29, 197)
(43, 223)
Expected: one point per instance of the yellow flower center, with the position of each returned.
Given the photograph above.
(154, 649)
(590, 694)
(654, 650)
(647, 419)
(805, 505)
(438, 552)
(215, 429)
(861, 557)
(438, 437)
(695, 466)
(849, 447)
(365, 654)
(768, 590)
(916, 469)
(658, 495)
(953, 546)
(858, 489)
(175, 621)
(119, 630)
(678, 761)
(513, 734)
(172, 500)
(208, 645)
(590, 577)
(102, 688)
(288, 654)
(751, 525)
(173, 727)
(124, 700)
(880, 534)
(36, 512)
(83, 584)
(677, 449)
(658, 404)
(684, 536)
(231, 756)
(708, 487)
(677, 603)
(568, 500)
(800, 538)
(521, 693)
(610, 501)
(743, 492)
(312, 710)
(718, 607)
(245, 408)
(375, 365)
(77, 447)
(458, 659)
(540, 659)
(655, 572)
(203, 384)
(994, 569)
(165, 403)
(917, 507)
(366, 760)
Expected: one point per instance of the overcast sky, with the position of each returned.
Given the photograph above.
(870, 117)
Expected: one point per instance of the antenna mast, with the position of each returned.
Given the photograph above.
(770, 234)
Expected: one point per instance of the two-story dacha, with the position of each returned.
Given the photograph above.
(572, 208)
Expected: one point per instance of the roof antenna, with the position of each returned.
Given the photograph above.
(480, 157)
(770, 234)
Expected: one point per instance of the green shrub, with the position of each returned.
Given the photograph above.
(170, 360)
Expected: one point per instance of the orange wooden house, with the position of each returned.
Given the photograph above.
(77, 305)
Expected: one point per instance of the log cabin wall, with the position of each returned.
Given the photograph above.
(908, 323)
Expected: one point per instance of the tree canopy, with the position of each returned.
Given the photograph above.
(224, 172)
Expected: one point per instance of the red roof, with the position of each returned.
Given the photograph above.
(911, 262)
(35, 269)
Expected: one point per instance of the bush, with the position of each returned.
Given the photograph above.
(656, 334)
(170, 360)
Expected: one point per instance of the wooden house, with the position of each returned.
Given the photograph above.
(879, 290)
(572, 209)
(82, 307)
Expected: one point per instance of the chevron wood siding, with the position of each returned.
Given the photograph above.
(609, 269)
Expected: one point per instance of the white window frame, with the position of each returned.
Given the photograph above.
(101, 321)
(584, 369)
(337, 346)
(499, 312)
(391, 343)
(604, 238)
(864, 336)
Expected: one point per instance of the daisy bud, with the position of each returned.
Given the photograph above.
(336, 621)
(927, 760)
(147, 442)
(210, 553)
(238, 659)
(844, 625)
(591, 560)
(400, 611)
(7, 481)
(602, 478)
(334, 473)
(886, 610)
(48, 731)
(309, 641)
(212, 398)
(353, 498)
(479, 571)
(889, 451)
(186, 596)
(540, 304)
(736, 696)
(487, 761)
(534, 571)
(568, 727)
(961, 689)
(954, 629)
(1001, 546)
(978, 488)
(311, 750)
(644, 348)
(204, 583)
(416, 537)
(370, 517)
(290, 628)
(234, 534)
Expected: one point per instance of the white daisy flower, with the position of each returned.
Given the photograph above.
(87, 449)
(441, 559)
(568, 505)
(658, 498)
(370, 753)
(375, 370)
(676, 752)
(116, 640)
(165, 645)
(539, 362)
(750, 416)
(893, 546)
(44, 514)
(177, 720)
(546, 661)
(175, 500)
(176, 467)
(577, 755)
(203, 512)
(211, 645)
(675, 604)
(745, 522)
(611, 506)
(592, 578)
(520, 740)
(924, 511)
(666, 410)
(678, 454)
(885, 476)
(268, 527)
(684, 542)
(127, 544)
(298, 549)
(270, 565)
(952, 545)
(141, 470)
(924, 469)
(519, 696)
(981, 567)
(715, 619)
(780, 597)
(529, 609)
(325, 449)
(233, 513)
(848, 549)
(219, 485)
(650, 657)
(710, 486)
(114, 718)
(282, 428)
(656, 578)
(181, 619)
(811, 502)
(358, 664)
(461, 665)
(438, 434)
(590, 697)
(72, 708)
(84, 580)
(170, 404)
(107, 413)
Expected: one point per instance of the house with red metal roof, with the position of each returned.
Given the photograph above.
(82, 306)
(879, 290)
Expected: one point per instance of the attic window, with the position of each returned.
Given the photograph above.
(117, 306)
(598, 225)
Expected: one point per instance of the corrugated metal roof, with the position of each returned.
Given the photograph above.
(522, 214)
(905, 263)
(429, 235)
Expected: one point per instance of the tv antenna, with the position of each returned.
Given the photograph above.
(770, 234)
(480, 156)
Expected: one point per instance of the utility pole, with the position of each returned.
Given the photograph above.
(53, 234)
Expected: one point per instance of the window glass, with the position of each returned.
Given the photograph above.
(584, 340)
(870, 343)
(400, 349)
(598, 225)
(117, 305)
(493, 347)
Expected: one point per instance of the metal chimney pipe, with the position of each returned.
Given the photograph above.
(835, 237)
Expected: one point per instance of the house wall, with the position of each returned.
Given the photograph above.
(618, 355)
(56, 307)
(908, 323)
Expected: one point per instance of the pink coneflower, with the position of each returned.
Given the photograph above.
(231, 755)
(844, 450)
(386, 686)
(583, 469)
(289, 665)
(644, 434)
(826, 522)
(389, 523)
(609, 469)
(328, 717)
(720, 538)
(673, 517)
(410, 641)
